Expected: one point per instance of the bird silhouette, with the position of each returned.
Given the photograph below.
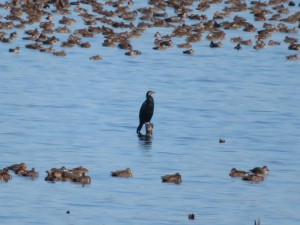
(146, 110)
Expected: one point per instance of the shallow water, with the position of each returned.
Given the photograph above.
(72, 111)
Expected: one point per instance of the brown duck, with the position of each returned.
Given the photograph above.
(174, 178)
(122, 173)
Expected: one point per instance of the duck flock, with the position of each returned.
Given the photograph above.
(39, 23)
(78, 174)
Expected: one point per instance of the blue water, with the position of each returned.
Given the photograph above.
(71, 111)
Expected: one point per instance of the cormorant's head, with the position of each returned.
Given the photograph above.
(149, 93)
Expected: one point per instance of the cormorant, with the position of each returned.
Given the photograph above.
(146, 110)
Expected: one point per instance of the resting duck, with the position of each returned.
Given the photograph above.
(61, 53)
(122, 173)
(253, 177)
(15, 50)
(5, 175)
(292, 57)
(189, 51)
(260, 170)
(84, 179)
(237, 173)
(238, 46)
(79, 170)
(215, 44)
(31, 173)
(174, 178)
(133, 53)
(17, 167)
(68, 176)
(96, 57)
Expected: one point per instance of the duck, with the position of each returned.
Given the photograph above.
(173, 178)
(149, 130)
(35, 46)
(63, 29)
(96, 57)
(160, 47)
(253, 177)
(168, 43)
(184, 45)
(50, 49)
(133, 53)
(125, 45)
(83, 179)
(259, 45)
(237, 173)
(67, 21)
(31, 173)
(291, 40)
(122, 173)
(61, 53)
(69, 176)
(85, 45)
(79, 170)
(221, 141)
(238, 46)
(5, 175)
(246, 42)
(15, 50)
(260, 170)
(215, 44)
(108, 43)
(273, 43)
(294, 46)
(55, 174)
(65, 44)
(191, 216)
(236, 39)
(292, 57)
(189, 51)
(17, 167)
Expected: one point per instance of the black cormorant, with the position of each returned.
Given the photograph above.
(146, 111)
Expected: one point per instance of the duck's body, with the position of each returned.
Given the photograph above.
(84, 179)
(122, 173)
(15, 50)
(174, 178)
(215, 44)
(79, 170)
(17, 167)
(292, 57)
(96, 57)
(5, 175)
(61, 53)
(253, 177)
(189, 51)
(31, 173)
(237, 173)
(260, 170)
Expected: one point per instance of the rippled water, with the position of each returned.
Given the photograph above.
(72, 111)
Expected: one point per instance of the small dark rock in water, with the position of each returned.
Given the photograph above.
(221, 141)
(68, 212)
(191, 216)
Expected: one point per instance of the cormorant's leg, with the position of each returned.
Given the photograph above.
(138, 129)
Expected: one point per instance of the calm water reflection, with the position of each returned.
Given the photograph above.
(71, 111)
